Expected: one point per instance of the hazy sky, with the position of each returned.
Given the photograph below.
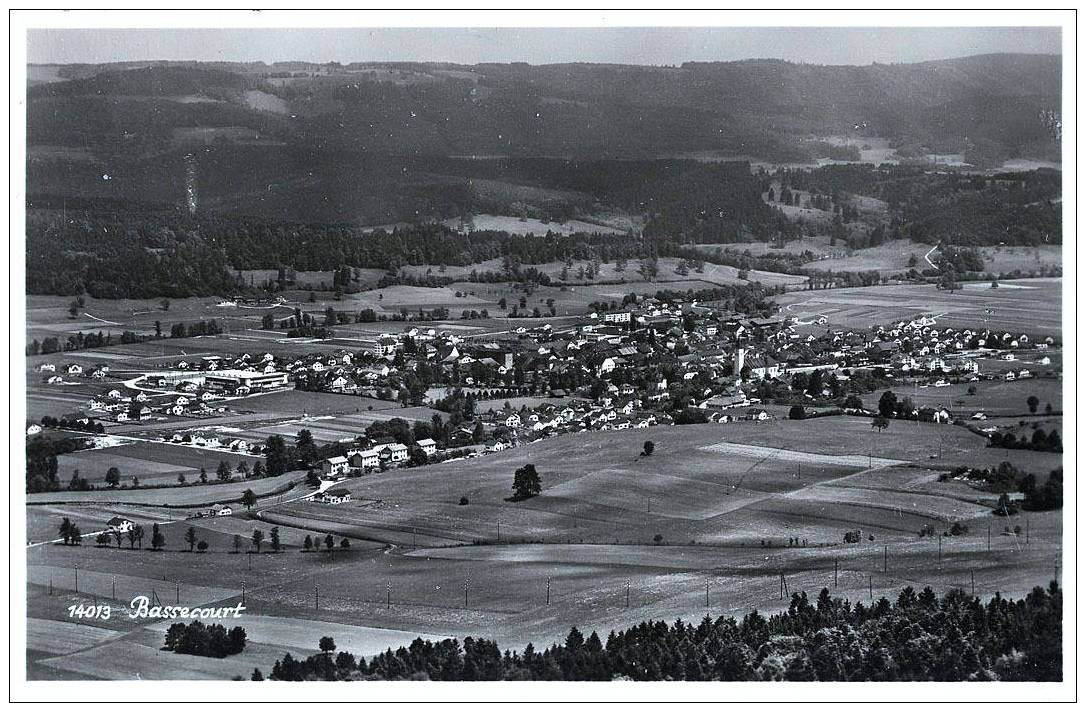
(853, 45)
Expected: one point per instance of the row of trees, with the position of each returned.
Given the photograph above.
(916, 637)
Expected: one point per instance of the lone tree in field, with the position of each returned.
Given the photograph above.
(223, 473)
(275, 544)
(327, 645)
(345, 544)
(248, 499)
(330, 542)
(65, 530)
(526, 483)
(887, 404)
(203, 475)
(190, 537)
(880, 422)
(237, 544)
(307, 544)
(113, 477)
(1033, 401)
(158, 540)
(648, 448)
(258, 539)
(138, 532)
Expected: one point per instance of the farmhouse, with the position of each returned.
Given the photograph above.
(394, 453)
(428, 446)
(119, 524)
(332, 466)
(335, 496)
(364, 459)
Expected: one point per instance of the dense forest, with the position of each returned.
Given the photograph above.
(916, 637)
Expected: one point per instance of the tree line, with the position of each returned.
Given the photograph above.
(916, 637)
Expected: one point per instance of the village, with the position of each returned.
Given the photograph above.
(652, 362)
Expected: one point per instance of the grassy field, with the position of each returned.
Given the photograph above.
(992, 397)
(734, 505)
(192, 494)
(151, 462)
(1031, 306)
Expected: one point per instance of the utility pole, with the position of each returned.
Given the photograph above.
(885, 557)
(177, 594)
(388, 595)
(1027, 529)
(627, 593)
(989, 538)
(113, 592)
(972, 584)
(940, 545)
(870, 589)
(706, 592)
(548, 590)
(77, 579)
(466, 582)
(316, 597)
(499, 529)
(835, 564)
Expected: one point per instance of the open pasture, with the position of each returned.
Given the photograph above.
(188, 495)
(598, 488)
(992, 397)
(151, 462)
(1031, 306)
(592, 531)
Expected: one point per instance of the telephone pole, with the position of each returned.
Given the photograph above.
(627, 593)
(835, 564)
(548, 590)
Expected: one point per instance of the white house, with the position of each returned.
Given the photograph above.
(364, 459)
(120, 524)
(428, 446)
(335, 496)
(394, 453)
(333, 466)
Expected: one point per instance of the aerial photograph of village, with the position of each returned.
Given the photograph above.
(738, 366)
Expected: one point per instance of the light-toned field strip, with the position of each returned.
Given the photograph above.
(61, 637)
(757, 452)
(293, 633)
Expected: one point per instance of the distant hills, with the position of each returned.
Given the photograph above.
(386, 142)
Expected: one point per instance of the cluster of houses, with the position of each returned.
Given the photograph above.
(74, 372)
(140, 406)
(382, 452)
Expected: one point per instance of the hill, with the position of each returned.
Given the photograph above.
(372, 142)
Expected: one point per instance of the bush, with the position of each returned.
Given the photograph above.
(464, 500)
